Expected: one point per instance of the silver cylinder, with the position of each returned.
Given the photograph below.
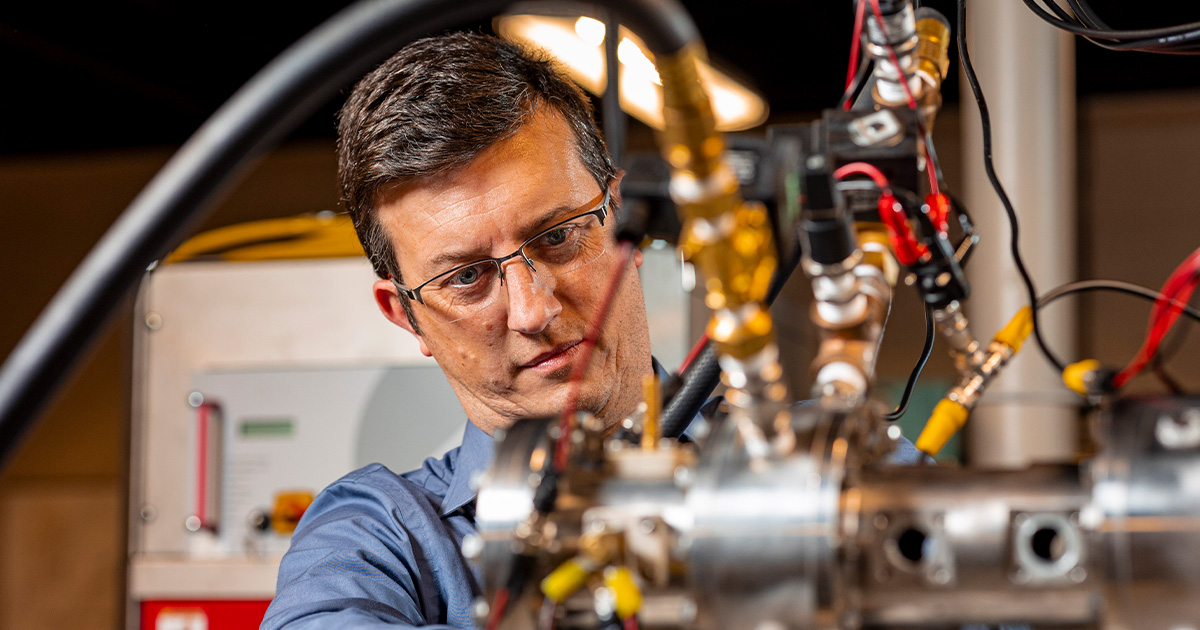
(1146, 501)
(937, 547)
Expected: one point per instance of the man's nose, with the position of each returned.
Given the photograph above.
(531, 302)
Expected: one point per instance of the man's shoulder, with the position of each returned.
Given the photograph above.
(431, 478)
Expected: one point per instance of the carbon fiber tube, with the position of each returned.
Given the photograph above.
(701, 377)
(262, 112)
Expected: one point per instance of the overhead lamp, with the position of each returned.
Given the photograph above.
(578, 44)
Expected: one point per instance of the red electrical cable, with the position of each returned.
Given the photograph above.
(496, 612)
(863, 168)
(908, 251)
(693, 353)
(1176, 290)
(562, 447)
(631, 622)
(852, 70)
(930, 168)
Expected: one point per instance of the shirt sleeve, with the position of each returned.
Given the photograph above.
(352, 564)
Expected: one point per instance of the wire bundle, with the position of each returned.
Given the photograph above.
(1177, 289)
(1183, 39)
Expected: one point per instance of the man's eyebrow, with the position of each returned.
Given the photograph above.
(446, 260)
(449, 259)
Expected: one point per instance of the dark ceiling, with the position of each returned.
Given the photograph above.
(90, 76)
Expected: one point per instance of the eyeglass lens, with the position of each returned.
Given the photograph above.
(560, 250)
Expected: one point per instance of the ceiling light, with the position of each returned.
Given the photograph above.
(578, 44)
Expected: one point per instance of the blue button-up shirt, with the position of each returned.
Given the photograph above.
(381, 550)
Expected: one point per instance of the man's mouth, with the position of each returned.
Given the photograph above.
(559, 357)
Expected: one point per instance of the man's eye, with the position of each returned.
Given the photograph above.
(465, 276)
(557, 236)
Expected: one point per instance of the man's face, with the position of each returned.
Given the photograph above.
(512, 359)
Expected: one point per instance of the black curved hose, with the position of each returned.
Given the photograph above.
(697, 382)
(271, 104)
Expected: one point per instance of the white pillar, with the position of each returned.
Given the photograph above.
(1027, 71)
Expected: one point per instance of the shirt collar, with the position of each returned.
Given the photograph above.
(474, 457)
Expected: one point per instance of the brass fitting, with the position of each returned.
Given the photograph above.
(728, 239)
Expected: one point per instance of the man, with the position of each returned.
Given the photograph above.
(485, 199)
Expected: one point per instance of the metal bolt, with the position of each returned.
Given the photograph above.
(941, 576)
(481, 610)
(1178, 432)
(943, 278)
(148, 513)
(259, 520)
(472, 546)
(648, 526)
(816, 162)
(154, 321)
(880, 521)
(195, 399)
(1078, 574)
(192, 523)
(683, 476)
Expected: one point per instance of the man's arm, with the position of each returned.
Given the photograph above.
(362, 558)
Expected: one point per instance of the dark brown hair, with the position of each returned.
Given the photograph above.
(432, 108)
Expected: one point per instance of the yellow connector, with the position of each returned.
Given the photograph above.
(1075, 376)
(627, 597)
(947, 418)
(569, 577)
(652, 393)
(1017, 330)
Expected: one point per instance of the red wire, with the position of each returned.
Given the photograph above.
(852, 70)
(496, 613)
(631, 623)
(694, 352)
(1176, 290)
(930, 168)
(863, 168)
(562, 448)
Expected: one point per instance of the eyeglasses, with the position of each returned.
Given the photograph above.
(559, 249)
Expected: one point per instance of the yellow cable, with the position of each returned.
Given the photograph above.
(1017, 330)
(569, 577)
(627, 597)
(306, 236)
(947, 418)
(1075, 375)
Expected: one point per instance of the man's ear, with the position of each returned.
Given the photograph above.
(615, 188)
(387, 297)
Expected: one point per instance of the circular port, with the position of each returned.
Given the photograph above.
(1047, 544)
(911, 545)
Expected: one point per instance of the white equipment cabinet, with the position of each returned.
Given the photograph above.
(259, 382)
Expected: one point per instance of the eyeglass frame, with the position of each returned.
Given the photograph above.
(600, 212)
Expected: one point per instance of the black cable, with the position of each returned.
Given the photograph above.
(986, 123)
(610, 101)
(1174, 40)
(276, 100)
(695, 385)
(926, 351)
(1076, 28)
(1128, 288)
(855, 87)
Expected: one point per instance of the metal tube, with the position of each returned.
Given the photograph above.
(1027, 73)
